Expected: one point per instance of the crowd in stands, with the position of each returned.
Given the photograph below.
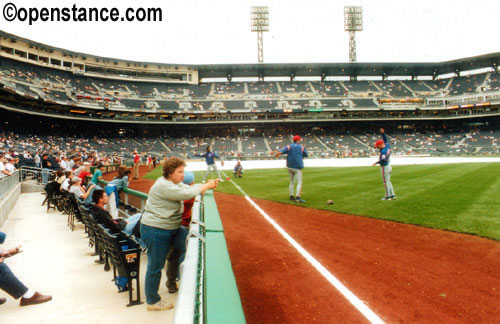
(66, 87)
(66, 152)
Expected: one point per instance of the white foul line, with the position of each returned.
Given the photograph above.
(353, 299)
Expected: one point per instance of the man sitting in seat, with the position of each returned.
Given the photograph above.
(238, 170)
(101, 215)
(13, 286)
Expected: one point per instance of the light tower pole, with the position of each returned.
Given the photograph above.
(353, 22)
(259, 16)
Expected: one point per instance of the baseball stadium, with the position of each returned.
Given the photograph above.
(348, 192)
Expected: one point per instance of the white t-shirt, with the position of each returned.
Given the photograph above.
(63, 165)
(10, 167)
(65, 185)
(76, 190)
(2, 168)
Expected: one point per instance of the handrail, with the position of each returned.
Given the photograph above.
(126, 192)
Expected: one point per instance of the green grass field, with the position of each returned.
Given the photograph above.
(457, 197)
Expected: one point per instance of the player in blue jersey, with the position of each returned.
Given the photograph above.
(294, 161)
(385, 154)
(211, 166)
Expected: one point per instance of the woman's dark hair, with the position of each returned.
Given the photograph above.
(208, 148)
(122, 171)
(59, 173)
(96, 195)
(67, 173)
(171, 164)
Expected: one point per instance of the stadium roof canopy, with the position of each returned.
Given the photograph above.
(349, 69)
(262, 70)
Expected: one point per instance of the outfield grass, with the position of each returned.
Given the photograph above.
(458, 197)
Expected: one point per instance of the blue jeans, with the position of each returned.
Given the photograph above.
(9, 282)
(45, 175)
(132, 221)
(175, 256)
(158, 242)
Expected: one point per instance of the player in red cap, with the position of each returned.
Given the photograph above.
(294, 161)
(385, 153)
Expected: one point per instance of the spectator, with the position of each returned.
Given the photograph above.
(114, 187)
(161, 222)
(97, 174)
(79, 191)
(45, 168)
(3, 171)
(100, 199)
(9, 165)
(13, 286)
(81, 168)
(37, 160)
(71, 163)
(175, 256)
(63, 164)
(86, 172)
(60, 177)
(66, 183)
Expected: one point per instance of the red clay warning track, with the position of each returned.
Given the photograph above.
(404, 273)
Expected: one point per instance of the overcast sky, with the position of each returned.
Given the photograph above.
(218, 31)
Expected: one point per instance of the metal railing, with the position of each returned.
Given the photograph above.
(38, 175)
(7, 183)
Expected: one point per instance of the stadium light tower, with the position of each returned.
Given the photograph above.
(353, 22)
(259, 16)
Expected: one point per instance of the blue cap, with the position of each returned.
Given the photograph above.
(188, 177)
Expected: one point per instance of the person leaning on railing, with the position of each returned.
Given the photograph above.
(114, 187)
(161, 222)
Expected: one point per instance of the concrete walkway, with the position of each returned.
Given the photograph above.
(58, 262)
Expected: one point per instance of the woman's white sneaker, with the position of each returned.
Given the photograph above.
(161, 305)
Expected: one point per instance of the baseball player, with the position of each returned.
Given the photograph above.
(294, 161)
(385, 153)
(211, 166)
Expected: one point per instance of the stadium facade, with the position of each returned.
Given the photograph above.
(52, 90)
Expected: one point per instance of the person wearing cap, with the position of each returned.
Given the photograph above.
(295, 154)
(176, 255)
(79, 191)
(386, 169)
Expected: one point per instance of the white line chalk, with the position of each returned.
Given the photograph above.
(353, 299)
